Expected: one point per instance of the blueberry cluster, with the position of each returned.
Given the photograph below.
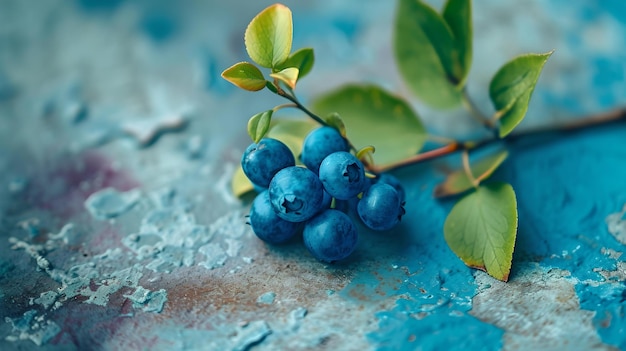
(294, 198)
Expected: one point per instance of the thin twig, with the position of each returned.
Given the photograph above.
(315, 117)
(296, 103)
(583, 123)
(280, 107)
(468, 169)
(475, 112)
(440, 139)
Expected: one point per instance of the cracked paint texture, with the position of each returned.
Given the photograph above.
(118, 230)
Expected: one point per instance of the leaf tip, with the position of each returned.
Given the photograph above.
(280, 6)
(505, 278)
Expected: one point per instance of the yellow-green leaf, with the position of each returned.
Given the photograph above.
(302, 59)
(458, 182)
(426, 52)
(511, 88)
(240, 184)
(245, 76)
(482, 227)
(259, 124)
(269, 35)
(288, 76)
(373, 116)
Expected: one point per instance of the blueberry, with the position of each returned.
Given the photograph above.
(262, 160)
(342, 174)
(330, 236)
(296, 194)
(266, 224)
(380, 207)
(387, 178)
(320, 143)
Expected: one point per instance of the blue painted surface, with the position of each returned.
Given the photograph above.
(564, 185)
(198, 277)
(580, 177)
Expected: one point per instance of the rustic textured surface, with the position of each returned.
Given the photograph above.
(118, 231)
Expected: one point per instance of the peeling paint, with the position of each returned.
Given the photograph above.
(617, 225)
(164, 260)
(538, 309)
(267, 298)
(32, 327)
(109, 203)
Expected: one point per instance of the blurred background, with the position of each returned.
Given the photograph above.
(136, 58)
(127, 94)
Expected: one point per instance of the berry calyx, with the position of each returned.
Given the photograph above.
(266, 224)
(296, 194)
(342, 174)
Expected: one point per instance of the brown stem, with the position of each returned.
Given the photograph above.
(424, 156)
(606, 118)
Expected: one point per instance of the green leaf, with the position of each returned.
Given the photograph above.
(512, 86)
(269, 35)
(457, 182)
(288, 76)
(240, 184)
(245, 76)
(481, 229)
(425, 50)
(513, 115)
(373, 116)
(458, 15)
(302, 59)
(292, 132)
(271, 87)
(335, 121)
(259, 124)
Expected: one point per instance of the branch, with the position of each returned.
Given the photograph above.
(475, 112)
(584, 123)
(297, 104)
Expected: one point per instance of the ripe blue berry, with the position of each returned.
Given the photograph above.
(266, 224)
(320, 143)
(342, 175)
(330, 236)
(262, 160)
(296, 194)
(387, 178)
(380, 207)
